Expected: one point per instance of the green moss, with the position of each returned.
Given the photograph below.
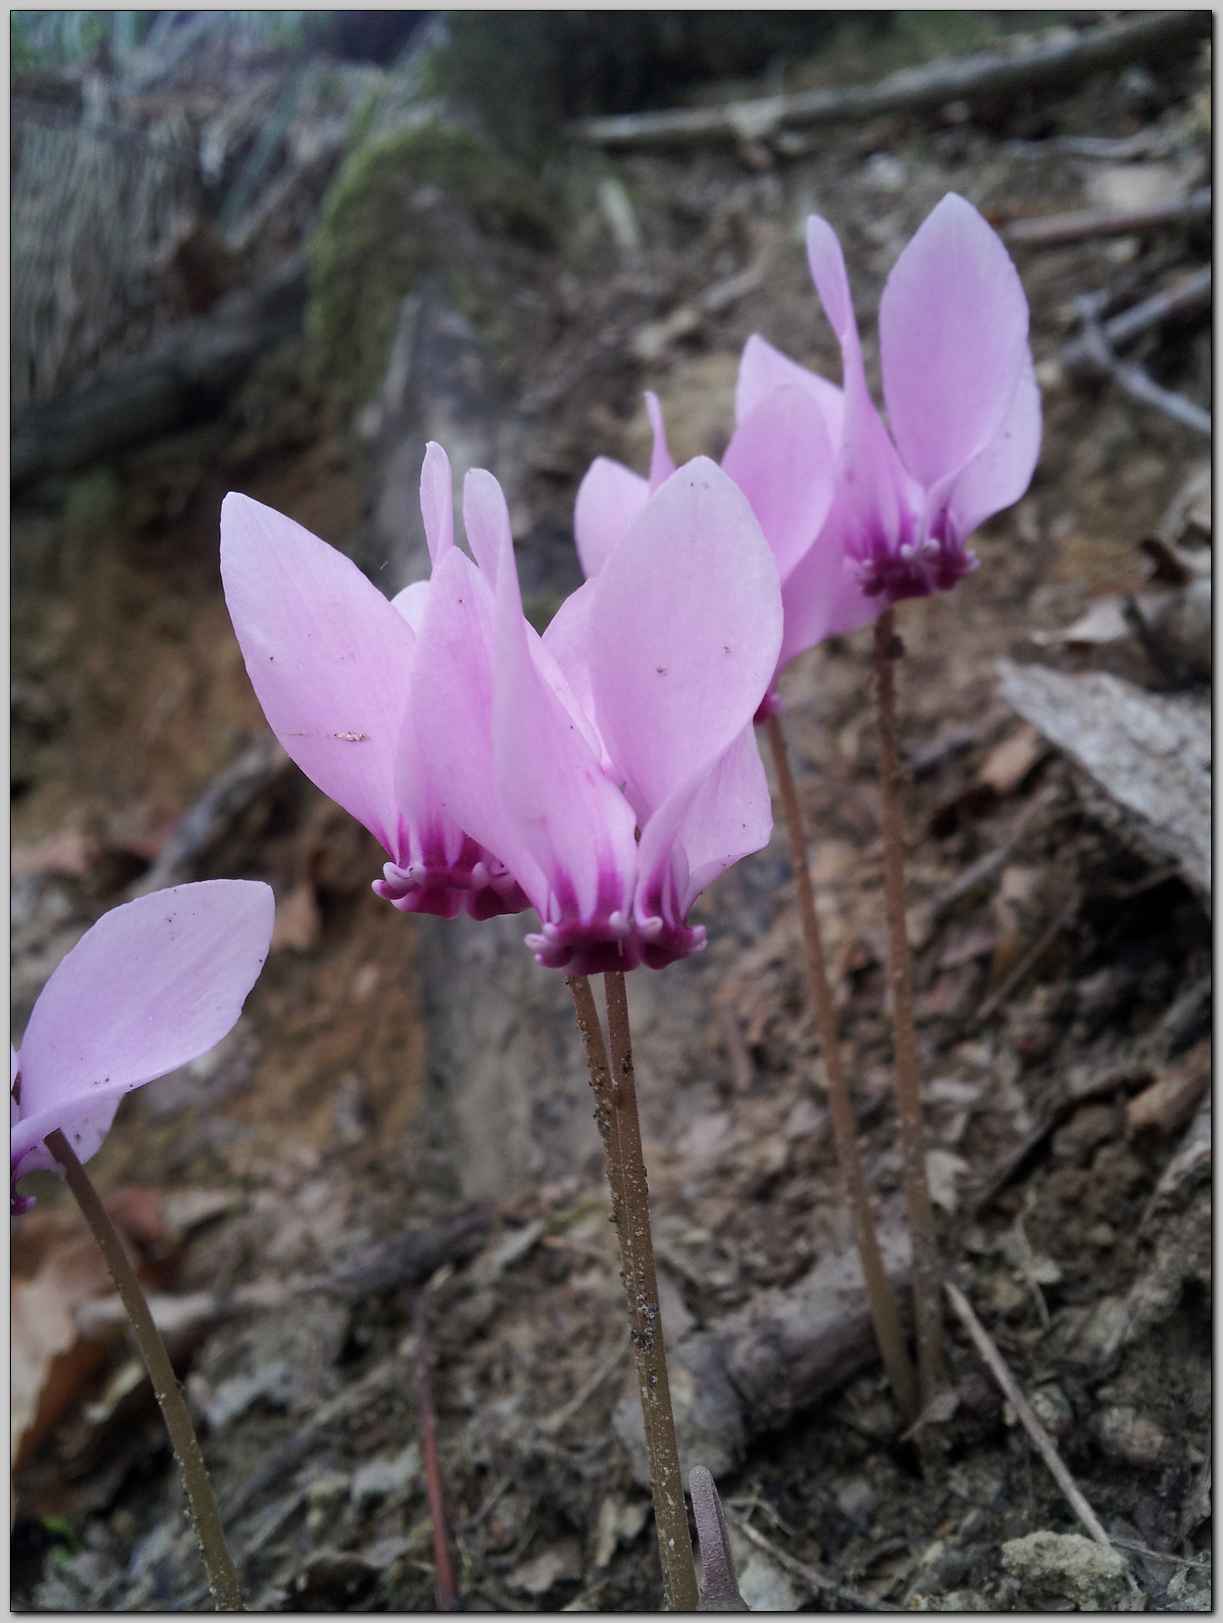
(431, 201)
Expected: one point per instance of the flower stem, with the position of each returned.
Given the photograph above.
(927, 1270)
(615, 1092)
(884, 1312)
(222, 1576)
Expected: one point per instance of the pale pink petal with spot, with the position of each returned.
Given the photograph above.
(783, 461)
(998, 476)
(609, 499)
(953, 329)
(152, 985)
(328, 656)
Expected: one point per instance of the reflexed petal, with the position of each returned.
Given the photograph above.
(871, 495)
(152, 985)
(563, 656)
(411, 602)
(953, 327)
(486, 519)
(609, 499)
(571, 817)
(730, 816)
(437, 501)
(447, 738)
(662, 464)
(998, 476)
(822, 597)
(784, 463)
(685, 629)
(763, 369)
(329, 658)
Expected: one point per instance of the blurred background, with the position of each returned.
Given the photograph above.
(277, 252)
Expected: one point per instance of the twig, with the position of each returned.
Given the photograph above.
(1041, 1440)
(615, 1090)
(1191, 296)
(818, 1583)
(1089, 225)
(223, 1585)
(1027, 963)
(1048, 63)
(879, 1293)
(445, 1588)
(927, 1271)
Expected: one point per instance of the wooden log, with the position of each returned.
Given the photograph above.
(1045, 66)
(1088, 225)
(183, 378)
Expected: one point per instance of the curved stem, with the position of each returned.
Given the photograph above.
(882, 1300)
(223, 1583)
(615, 1090)
(927, 1270)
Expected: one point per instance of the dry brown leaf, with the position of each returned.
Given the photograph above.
(1008, 763)
(1172, 1098)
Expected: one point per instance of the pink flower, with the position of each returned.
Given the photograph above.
(859, 520)
(153, 984)
(611, 763)
(333, 664)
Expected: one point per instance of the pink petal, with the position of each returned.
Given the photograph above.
(486, 519)
(563, 657)
(576, 824)
(730, 816)
(953, 328)
(609, 498)
(437, 501)
(998, 476)
(329, 658)
(763, 369)
(152, 985)
(662, 464)
(411, 602)
(685, 628)
(783, 461)
(446, 747)
(872, 494)
(821, 597)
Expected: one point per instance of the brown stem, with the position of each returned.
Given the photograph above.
(445, 1588)
(615, 1092)
(927, 1271)
(222, 1577)
(884, 1312)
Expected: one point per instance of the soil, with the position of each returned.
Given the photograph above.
(384, 1203)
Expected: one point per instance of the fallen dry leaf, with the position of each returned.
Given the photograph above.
(1172, 1098)
(1008, 763)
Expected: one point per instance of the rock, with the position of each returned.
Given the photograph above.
(559, 1563)
(1132, 1438)
(762, 1583)
(386, 1477)
(1051, 1570)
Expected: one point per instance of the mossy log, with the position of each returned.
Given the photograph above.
(185, 377)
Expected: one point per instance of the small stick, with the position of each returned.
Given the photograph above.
(927, 1271)
(1089, 225)
(1094, 354)
(819, 1583)
(1028, 962)
(223, 1584)
(445, 1588)
(1041, 1440)
(615, 1092)
(884, 1312)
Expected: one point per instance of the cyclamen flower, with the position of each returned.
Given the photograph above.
(332, 662)
(152, 985)
(611, 763)
(859, 520)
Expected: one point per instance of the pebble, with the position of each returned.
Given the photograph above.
(379, 1479)
(1130, 1437)
(1053, 1409)
(1054, 1570)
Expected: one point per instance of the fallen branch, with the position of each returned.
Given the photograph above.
(183, 378)
(1041, 1440)
(1090, 225)
(1190, 297)
(1047, 65)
